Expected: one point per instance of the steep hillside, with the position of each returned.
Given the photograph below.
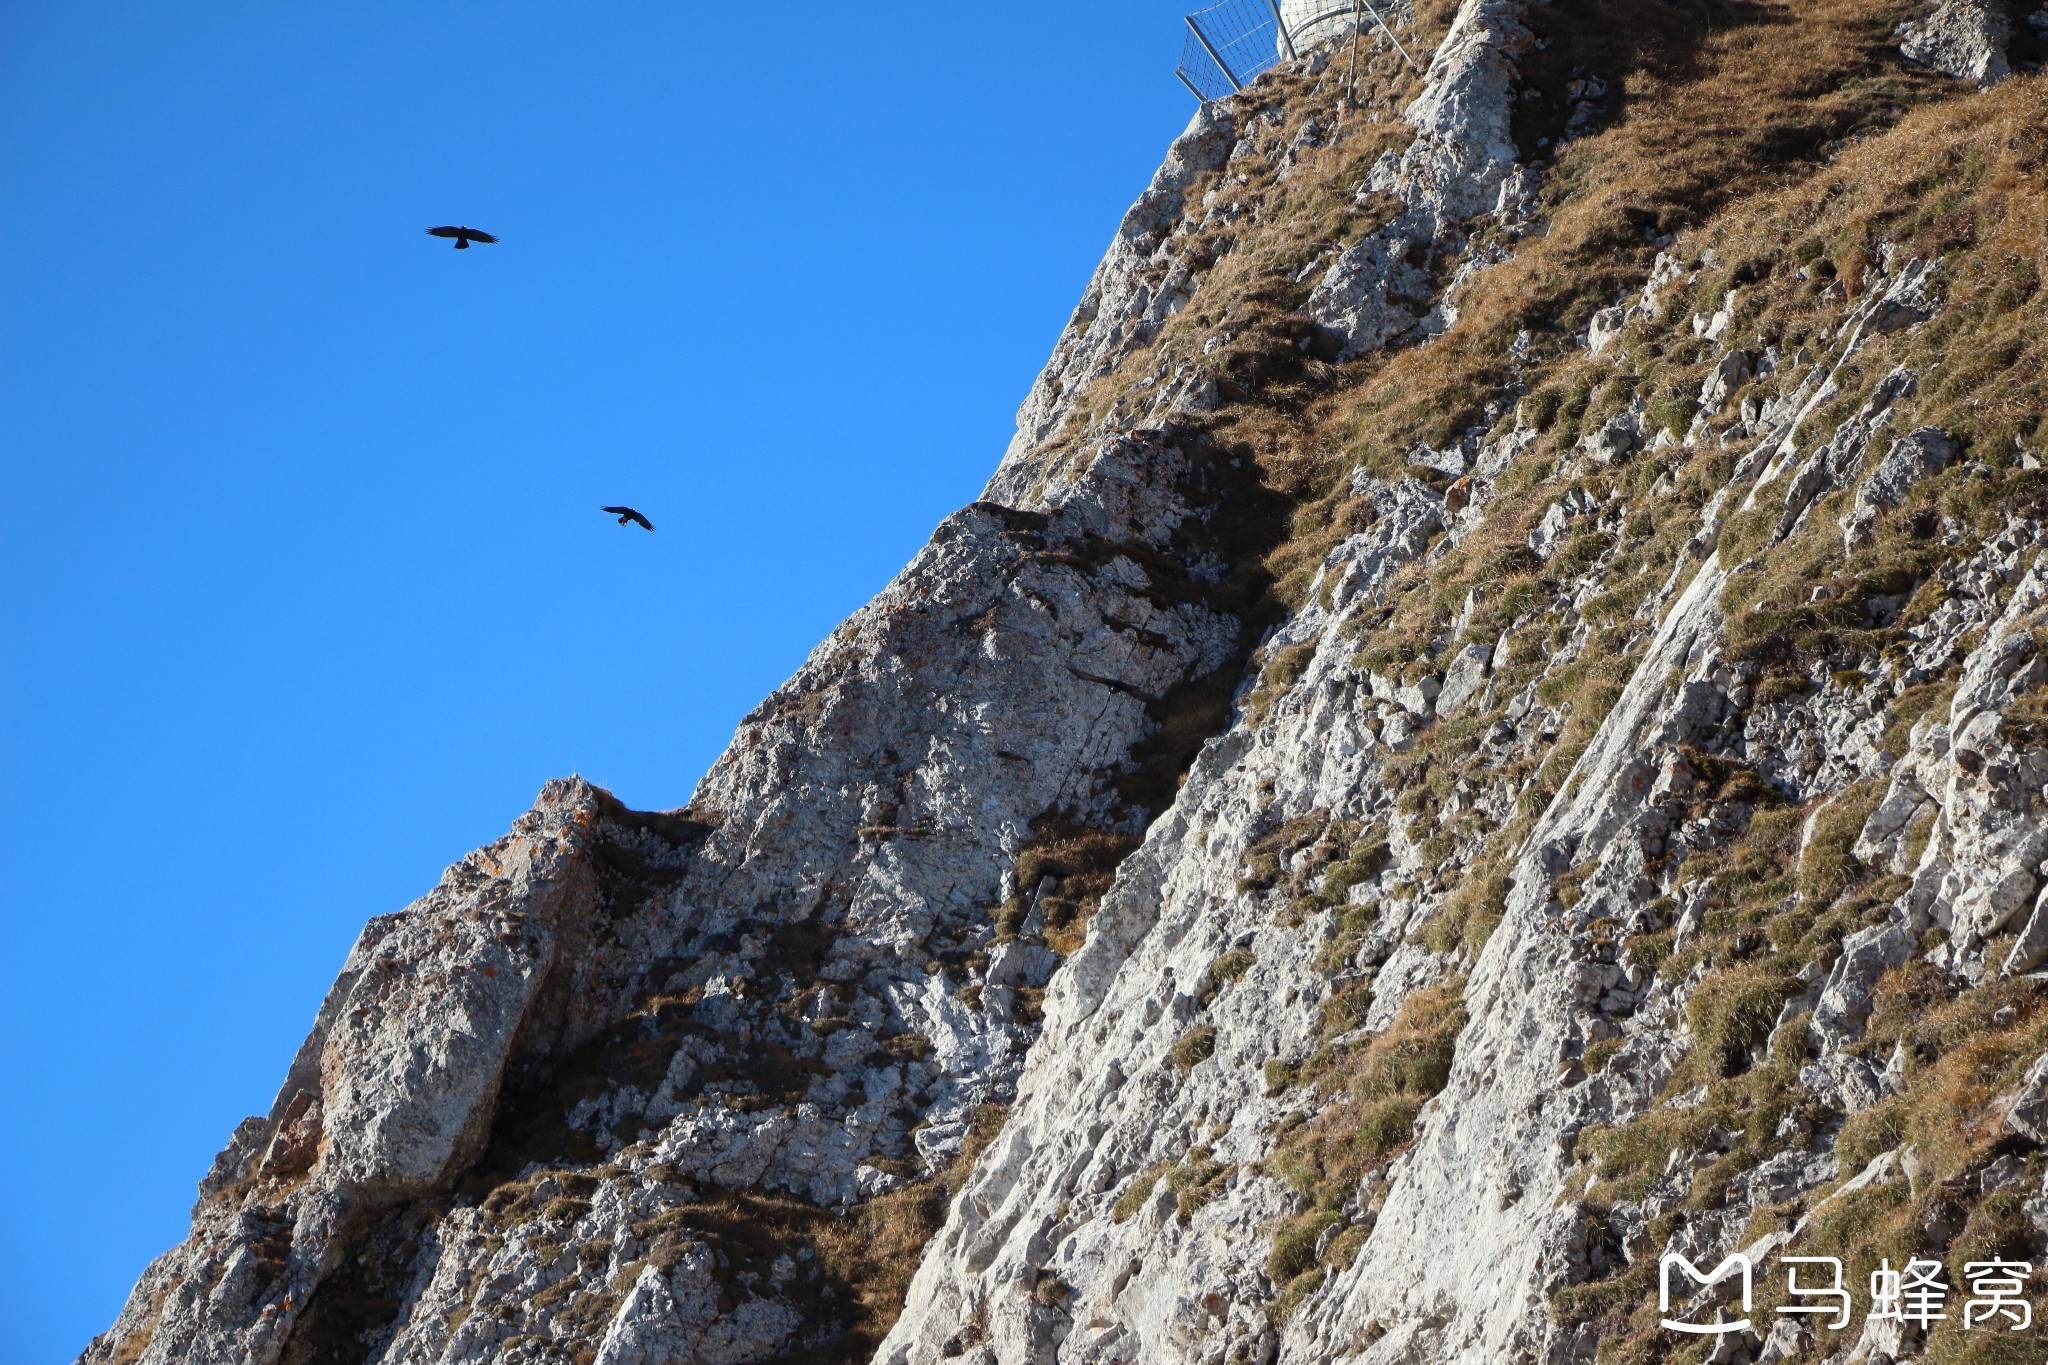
(1492, 723)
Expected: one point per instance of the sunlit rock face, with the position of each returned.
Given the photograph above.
(1491, 723)
(1966, 38)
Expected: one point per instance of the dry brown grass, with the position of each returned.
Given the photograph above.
(1082, 863)
(1960, 182)
(1376, 1088)
(130, 1348)
(1375, 1091)
(1714, 101)
(1722, 121)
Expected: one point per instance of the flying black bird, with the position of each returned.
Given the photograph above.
(463, 236)
(628, 516)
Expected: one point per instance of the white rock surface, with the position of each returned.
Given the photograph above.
(1914, 456)
(1962, 38)
(871, 810)
(1143, 279)
(594, 1098)
(1102, 1099)
(1452, 171)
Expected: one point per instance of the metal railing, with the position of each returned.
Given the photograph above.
(1232, 43)
(1229, 45)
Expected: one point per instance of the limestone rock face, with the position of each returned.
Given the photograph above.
(395, 1090)
(1963, 38)
(824, 903)
(1480, 733)
(1454, 168)
(1108, 1100)
(1911, 458)
(1463, 151)
(1981, 865)
(1144, 279)
(1372, 295)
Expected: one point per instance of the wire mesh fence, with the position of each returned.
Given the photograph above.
(1228, 45)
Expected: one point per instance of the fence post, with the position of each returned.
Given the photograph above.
(1286, 38)
(1182, 77)
(1214, 55)
(1390, 36)
(1351, 81)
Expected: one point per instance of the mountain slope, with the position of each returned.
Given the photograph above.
(1485, 727)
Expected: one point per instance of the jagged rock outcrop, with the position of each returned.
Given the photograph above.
(1110, 1091)
(1144, 279)
(1490, 725)
(764, 993)
(1453, 169)
(1964, 38)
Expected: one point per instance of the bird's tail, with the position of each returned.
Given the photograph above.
(624, 520)
(462, 243)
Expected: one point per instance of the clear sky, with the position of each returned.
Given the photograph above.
(303, 586)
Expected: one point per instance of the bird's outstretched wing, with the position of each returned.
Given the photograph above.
(444, 232)
(626, 514)
(476, 236)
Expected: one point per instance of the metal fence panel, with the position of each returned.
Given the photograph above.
(1229, 45)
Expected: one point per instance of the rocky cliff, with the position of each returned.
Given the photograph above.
(1492, 723)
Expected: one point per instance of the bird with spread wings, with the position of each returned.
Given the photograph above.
(463, 236)
(627, 517)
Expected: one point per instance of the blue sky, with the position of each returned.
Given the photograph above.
(303, 586)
